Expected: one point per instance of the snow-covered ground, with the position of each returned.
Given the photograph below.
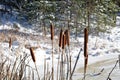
(103, 49)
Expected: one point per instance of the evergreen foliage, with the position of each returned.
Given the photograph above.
(94, 14)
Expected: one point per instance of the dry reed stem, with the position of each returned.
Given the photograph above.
(52, 37)
(60, 39)
(75, 63)
(108, 78)
(61, 71)
(32, 74)
(52, 62)
(63, 57)
(70, 69)
(37, 71)
(62, 66)
(47, 71)
(58, 64)
(32, 54)
(52, 31)
(119, 61)
(44, 68)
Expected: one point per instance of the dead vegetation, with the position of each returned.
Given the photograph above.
(20, 70)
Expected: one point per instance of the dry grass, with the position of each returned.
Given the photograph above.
(13, 70)
(20, 70)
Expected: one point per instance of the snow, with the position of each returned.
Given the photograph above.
(100, 48)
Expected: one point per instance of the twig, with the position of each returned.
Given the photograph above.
(108, 78)
(98, 73)
(94, 74)
(119, 61)
(75, 63)
(67, 67)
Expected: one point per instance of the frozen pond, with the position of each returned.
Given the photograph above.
(95, 68)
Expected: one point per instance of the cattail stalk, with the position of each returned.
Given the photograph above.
(47, 77)
(70, 69)
(85, 50)
(32, 74)
(52, 37)
(44, 68)
(61, 65)
(61, 73)
(58, 69)
(60, 46)
(119, 61)
(34, 60)
(67, 55)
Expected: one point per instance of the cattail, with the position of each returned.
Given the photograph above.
(61, 37)
(85, 50)
(32, 54)
(67, 37)
(85, 41)
(10, 43)
(66, 40)
(63, 42)
(86, 35)
(52, 31)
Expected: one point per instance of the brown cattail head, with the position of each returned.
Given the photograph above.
(61, 37)
(85, 49)
(85, 41)
(86, 35)
(63, 42)
(32, 54)
(10, 43)
(67, 37)
(52, 30)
